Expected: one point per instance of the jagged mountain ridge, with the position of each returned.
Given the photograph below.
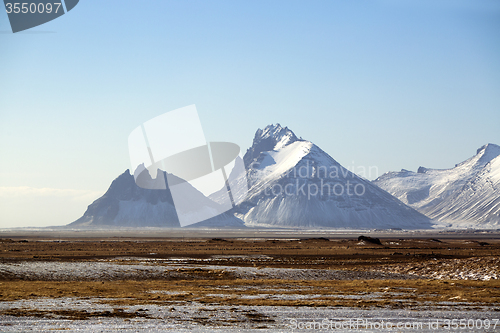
(469, 192)
(126, 204)
(270, 138)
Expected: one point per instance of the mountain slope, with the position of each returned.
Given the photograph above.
(469, 192)
(126, 204)
(293, 183)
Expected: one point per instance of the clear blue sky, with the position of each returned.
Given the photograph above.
(391, 84)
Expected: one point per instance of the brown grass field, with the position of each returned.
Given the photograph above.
(428, 273)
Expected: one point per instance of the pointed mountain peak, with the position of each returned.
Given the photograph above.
(272, 137)
(489, 148)
(276, 133)
(422, 169)
(487, 153)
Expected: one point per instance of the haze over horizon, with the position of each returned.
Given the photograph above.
(387, 84)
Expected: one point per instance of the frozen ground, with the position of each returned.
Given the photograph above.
(206, 318)
(483, 269)
(137, 268)
(48, 313)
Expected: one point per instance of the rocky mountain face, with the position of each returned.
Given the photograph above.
(270, 138)
(126, 204)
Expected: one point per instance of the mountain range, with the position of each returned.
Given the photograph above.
(294, 184)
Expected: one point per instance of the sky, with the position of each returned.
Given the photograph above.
(384, 84)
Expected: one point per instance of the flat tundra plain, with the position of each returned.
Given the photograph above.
(239, 283)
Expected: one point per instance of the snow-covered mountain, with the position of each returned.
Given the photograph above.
(126, 204)
(293, 183)
(468, 193)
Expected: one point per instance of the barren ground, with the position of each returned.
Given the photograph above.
(147, 279)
